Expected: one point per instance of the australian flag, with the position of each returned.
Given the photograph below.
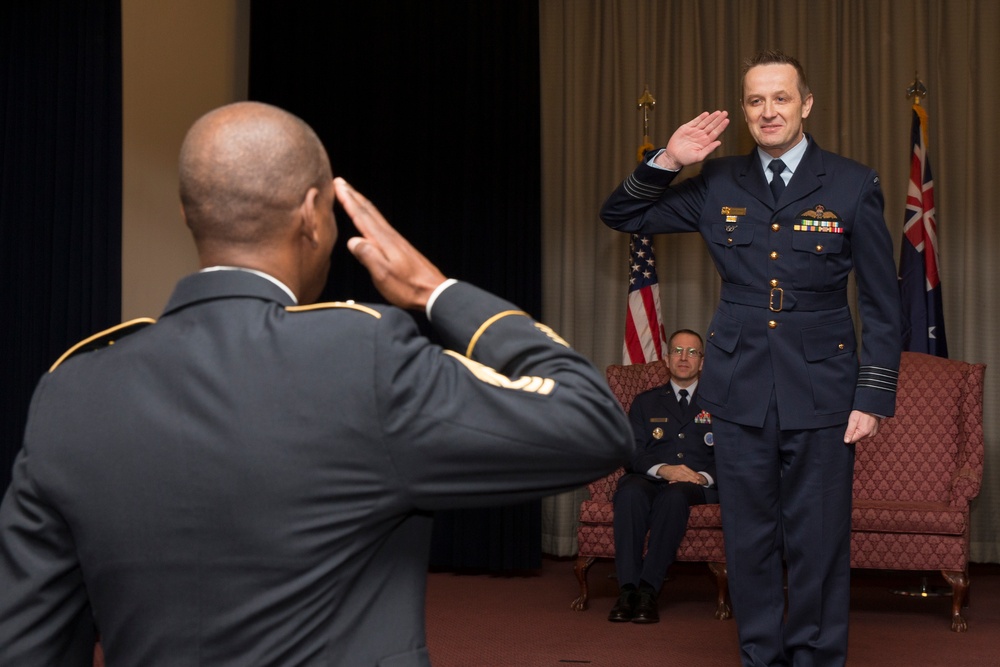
(919, 279)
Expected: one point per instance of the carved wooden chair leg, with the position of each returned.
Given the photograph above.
(723, 606)
(583, 564)
(959, 582)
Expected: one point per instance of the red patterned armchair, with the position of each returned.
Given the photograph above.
(595, 534)
(914, 480)
(913, 483)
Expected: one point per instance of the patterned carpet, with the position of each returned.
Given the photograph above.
(486, 620)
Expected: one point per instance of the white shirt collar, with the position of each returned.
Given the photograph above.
(690, 389)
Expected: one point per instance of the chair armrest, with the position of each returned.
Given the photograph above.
(965, 484)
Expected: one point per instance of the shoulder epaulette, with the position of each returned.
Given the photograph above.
(104, 338)
(334, 304)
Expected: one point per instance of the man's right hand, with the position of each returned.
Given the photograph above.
(694, 141)
(401, 274)
(680, 473)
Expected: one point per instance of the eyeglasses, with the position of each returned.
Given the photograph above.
(692, 352)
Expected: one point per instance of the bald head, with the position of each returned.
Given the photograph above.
(244, 169)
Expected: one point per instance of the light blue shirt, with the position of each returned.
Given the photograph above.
(792, 157)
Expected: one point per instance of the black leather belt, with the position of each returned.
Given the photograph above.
(778, 299)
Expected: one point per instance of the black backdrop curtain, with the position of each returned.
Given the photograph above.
(431, 109)
(60, 190)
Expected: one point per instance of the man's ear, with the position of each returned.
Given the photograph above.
(807, 105)
(309, 216)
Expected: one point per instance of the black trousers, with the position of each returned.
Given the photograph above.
(660, 508)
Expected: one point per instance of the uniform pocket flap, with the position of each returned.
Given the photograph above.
(724, 332)
(828, 340)
(732, 234)
(817, 243)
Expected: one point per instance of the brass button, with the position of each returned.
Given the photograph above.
(774, 282)
(774, 254)
(711, 334)
(775, 227)
(840, 347)
(772, 325)
(730, 240)
(680, 455)
(819, 248)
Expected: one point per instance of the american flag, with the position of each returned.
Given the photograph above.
(919, 279)
(644, 335)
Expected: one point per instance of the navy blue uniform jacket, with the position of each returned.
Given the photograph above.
(248, 482)
(666, 434)
(783, 320)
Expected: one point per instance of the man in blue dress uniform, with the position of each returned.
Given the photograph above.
(785, 226)
(673, 468)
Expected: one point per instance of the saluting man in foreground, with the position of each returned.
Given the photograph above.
(250, 480)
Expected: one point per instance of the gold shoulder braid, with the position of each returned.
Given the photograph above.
(104, 338)
(334, 304)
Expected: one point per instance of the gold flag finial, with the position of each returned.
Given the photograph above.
(646, 102)
(916, 90)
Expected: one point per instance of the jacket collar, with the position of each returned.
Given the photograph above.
(807, 177)
(674, 408)
(212, 285)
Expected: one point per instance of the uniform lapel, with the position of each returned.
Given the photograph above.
(806, 178)
(751, 178)
(673, 407)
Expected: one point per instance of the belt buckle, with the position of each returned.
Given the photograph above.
(781, 299)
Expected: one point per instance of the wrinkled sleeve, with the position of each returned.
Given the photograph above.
(502, 412)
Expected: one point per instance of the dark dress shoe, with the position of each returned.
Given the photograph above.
(624, 608)
(646, 610)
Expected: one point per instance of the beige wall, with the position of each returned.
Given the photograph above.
(180, 59)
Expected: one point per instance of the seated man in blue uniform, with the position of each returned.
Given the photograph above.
(673, 468)
(251, 480)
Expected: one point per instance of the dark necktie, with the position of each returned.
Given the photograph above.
(684, 398)
(777, 182)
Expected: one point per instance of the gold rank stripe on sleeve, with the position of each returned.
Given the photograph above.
(326, 305)
(104, 338)
(528, 384)
(548, 331)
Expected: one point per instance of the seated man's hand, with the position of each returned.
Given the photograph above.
(680, 473)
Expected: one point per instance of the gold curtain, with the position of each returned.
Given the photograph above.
(860, 56)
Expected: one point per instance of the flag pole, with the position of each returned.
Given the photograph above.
(646, 102)
(645, 337)
(916, 90)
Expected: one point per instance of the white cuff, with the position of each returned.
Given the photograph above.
(436, 293)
